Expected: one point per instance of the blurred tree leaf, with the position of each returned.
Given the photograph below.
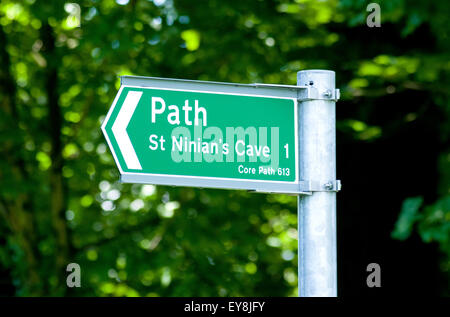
(408, 216)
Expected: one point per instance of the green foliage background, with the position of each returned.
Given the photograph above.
(60, 199)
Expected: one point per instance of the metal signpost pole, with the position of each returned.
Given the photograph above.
(317, 164)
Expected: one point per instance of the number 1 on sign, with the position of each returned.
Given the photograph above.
(286, 147)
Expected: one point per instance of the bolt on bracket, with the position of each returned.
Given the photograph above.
(317, 186)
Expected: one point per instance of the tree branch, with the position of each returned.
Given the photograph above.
(58, 201)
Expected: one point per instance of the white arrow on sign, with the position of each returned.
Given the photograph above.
(119, 129)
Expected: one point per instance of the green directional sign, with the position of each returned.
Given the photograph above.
(204, 134)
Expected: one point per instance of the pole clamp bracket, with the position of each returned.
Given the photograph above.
(317, 186)
(306, 92)
(312, 93)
